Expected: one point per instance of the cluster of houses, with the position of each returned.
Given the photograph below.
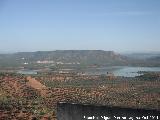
(59, 62)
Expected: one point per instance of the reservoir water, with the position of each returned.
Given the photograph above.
(27, 72)
(125, 71)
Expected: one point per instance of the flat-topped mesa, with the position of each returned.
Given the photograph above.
(67, 57)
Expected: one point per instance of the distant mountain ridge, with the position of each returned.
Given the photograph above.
(142, 56)
(151, 59)
(156, 58)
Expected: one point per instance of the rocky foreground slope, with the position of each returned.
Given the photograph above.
(26, 98)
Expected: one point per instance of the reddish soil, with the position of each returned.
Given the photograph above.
(37, 85)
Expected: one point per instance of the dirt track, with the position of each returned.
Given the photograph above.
(37, 85)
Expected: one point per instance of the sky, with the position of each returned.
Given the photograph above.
(43, 25)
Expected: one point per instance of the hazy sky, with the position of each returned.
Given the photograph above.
(119, 25)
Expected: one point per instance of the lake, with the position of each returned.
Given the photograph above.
(125, 71)
(27, 72)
